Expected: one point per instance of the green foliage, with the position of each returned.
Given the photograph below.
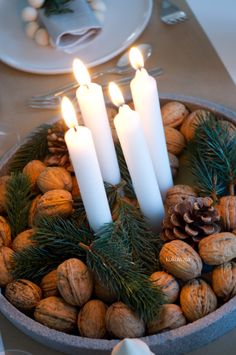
(18, 197)
(56, 7)
(128, 187)
(36, 147)
(212, 156)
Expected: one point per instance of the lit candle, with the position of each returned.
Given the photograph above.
(84, 160)
(146, 103)
(130, 133)
(93, 109)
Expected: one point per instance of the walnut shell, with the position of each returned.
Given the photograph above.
(173, 113)
(174, 164)
(55, 313)
(49, 284)
(6, 255)
(218, 248)
(180, 260)
(75, 192)
(23, 294)
(174, 140)
(102, 292)
(5, 232)
(197, 299)
(167, 284)
(91, 319)
(54, 203)
(54, 178)
(224, 280)
(177, 194)
(227, 210)
(23, 240)
(122, 322)
(169, 317)
(74, 282)
(33, 210)
(33, 169)
(191, 122)
(3, 188)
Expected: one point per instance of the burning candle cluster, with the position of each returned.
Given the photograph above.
(141, 135)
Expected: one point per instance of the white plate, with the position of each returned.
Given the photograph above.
(125, 21)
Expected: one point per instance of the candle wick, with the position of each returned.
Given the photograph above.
(140, 67)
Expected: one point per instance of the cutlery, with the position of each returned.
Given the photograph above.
(171, 14)
(122, 67)
(53, 102)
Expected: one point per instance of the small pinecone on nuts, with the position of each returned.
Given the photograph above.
(194, 218)
(57, 147)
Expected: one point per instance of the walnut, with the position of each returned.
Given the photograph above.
(218, 248)
(75, 192)
(54, 203)
(227, 210)
(33, 169)
(23, 240)
(33, 210)
(174, 140)
(180, 260)
(55, 313)
(167, 284)
(191, 122)
(74, 282)
(23, 294)
(169, 317)
(6, 256)
(102, 292)
(177, 194)
(122, 322)
(5, 232)
(3, 188)
(197, 299)
(91, 320)
(224, 280)
(49, 284)
(174, 164)
(173, 113)
(54, 178)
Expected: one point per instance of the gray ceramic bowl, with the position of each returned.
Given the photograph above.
(179, 341)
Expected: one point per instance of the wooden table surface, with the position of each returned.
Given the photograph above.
(191, 67)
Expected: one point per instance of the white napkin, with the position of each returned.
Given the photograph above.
(131, 347)
(70, 30)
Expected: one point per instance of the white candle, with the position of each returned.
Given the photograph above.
(130, 133)
(146, 103)
(93, 109)
(84, 160)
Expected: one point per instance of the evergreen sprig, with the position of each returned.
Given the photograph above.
(56, 7)
(212, 156)
(18, 197)
(142, 243)
(112, 262)
(36, 147)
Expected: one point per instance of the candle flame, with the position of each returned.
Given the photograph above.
(116, 94)
(81, 72)
(136, 58)
(68, 112)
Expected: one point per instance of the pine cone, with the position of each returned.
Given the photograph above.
(59, 155)
(193, 218)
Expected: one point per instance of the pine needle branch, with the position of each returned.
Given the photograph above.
(18, 197)
(56, 7)
(212, 156)
(36, 147)
(128, 188)
(142, 243)
(109, 259)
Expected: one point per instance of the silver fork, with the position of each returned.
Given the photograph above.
(171, 14)
(53, 101)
